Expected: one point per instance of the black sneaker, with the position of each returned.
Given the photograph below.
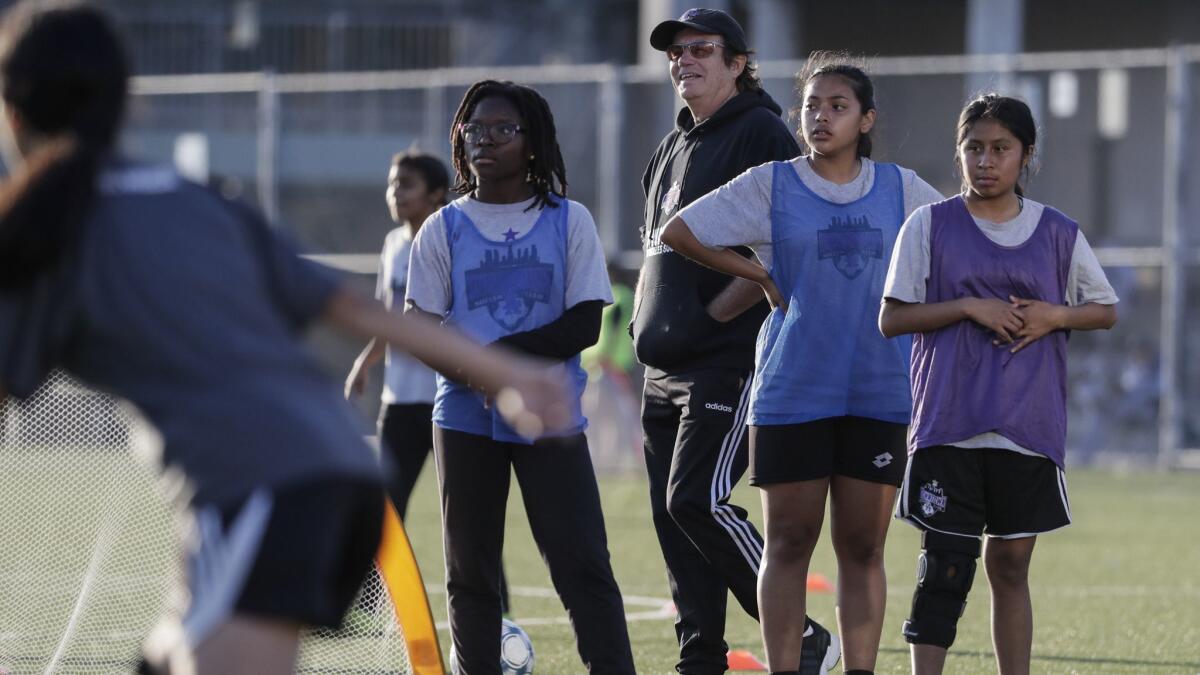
(821, 650)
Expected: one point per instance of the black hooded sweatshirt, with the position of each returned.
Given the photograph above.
(672, 332)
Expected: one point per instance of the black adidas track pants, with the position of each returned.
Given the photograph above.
(696, 450)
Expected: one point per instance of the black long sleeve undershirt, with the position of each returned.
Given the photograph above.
(577, 329)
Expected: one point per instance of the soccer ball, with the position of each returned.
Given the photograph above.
(516, 651)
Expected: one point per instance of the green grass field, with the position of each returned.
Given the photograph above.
(1117, 592)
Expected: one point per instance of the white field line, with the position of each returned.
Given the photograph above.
(1096, 591)
(660, 609)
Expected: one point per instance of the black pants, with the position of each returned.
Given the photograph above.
(562, 500)
(406, 437)
(696, 450)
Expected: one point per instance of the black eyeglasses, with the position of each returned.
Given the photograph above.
(500, 133)
(700, 49)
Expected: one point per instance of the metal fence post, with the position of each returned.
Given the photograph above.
(1175, 139)
(608, 161)
(268, 147)
(436, 117)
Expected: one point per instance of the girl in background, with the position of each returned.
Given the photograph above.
(417, 186)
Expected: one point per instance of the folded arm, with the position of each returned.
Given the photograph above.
(1019, 321)
(577, 329)
(900, 318)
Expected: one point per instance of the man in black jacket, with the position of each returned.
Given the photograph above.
(695, 331)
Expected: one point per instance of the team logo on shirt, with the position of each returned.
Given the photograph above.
(509, 282)
(933, 498)
(850, 243)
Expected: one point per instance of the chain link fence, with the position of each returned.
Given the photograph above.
(313, 150)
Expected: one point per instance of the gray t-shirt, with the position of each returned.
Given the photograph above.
(405, 379)
(429, 280)
(909, 268)
(909, 273)
(739, 212)
(190, 307)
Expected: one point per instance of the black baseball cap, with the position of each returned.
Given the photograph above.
(704, 20)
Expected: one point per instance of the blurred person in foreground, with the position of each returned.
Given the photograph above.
(159, 291)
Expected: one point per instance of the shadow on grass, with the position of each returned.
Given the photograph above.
(1070, 659)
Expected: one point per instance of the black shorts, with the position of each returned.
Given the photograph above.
(976, 491)
(856, 447)
(300, 554)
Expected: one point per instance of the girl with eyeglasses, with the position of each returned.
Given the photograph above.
(161, 292)
(989, 283)
(514, 262)
(417, 185)
(831, 403)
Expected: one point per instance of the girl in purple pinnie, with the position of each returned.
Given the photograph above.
(989, 283)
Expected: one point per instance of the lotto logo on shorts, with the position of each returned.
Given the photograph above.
(718, 406)
(882, 459)
(933, 498)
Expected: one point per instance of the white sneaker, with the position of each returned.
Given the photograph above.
(821, 650)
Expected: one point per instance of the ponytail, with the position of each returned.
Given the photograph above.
(41, 209)
(65, 78)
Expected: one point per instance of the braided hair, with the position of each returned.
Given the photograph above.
(547, 173)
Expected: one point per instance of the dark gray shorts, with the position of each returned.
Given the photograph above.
(300, 554)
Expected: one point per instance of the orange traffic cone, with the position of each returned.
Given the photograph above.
(819, 583)
(741, 659)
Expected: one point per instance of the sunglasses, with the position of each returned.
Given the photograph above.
(700, 49)
(504, 132)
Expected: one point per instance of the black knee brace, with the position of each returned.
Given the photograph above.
(945, 571)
